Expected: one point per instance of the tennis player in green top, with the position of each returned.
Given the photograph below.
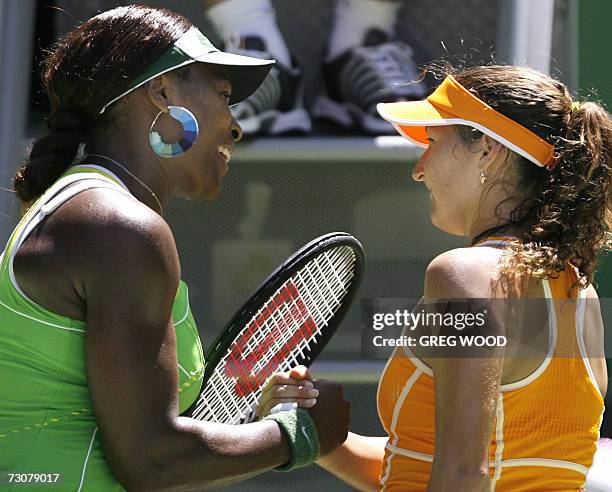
(99, 353)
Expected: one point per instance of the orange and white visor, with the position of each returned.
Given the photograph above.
(453, 104)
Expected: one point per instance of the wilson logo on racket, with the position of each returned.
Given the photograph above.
(287, 313)
(285, 323)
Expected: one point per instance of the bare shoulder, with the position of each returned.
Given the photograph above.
(593, 322)
(106, 216)
(107, 206)
(99, 238)
(462, 272)
(103, 227)
(593, 338)
(593, 326)
(591, 293)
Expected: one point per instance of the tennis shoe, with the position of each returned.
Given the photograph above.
(276, 107)
(356, 81)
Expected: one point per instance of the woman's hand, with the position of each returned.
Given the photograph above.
(331, 416)
(287, 391)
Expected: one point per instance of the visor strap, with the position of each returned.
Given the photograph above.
(451, 97)
(140, 83)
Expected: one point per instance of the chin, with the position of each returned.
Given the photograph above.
(202, 195)
(208, 190)
(210, 194)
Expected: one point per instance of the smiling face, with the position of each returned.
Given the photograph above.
(449, 168)
(205, 91)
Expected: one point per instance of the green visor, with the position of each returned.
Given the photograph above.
(245, 73)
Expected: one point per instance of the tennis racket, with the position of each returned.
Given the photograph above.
(286, 322)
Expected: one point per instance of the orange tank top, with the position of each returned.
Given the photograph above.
(546, 427)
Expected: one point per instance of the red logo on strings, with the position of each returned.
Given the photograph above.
(283, 311)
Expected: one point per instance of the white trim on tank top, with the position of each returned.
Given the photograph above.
(57, 196)
(580, 316)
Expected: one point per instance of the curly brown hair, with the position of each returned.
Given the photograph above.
(565, 216)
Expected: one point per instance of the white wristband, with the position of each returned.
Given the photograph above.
(284, 407)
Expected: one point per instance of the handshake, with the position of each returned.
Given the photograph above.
(307, 410)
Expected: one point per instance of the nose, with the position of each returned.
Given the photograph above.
(236, 131)
(418, 172)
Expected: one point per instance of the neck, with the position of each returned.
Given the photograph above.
(141, 180)
(493, 218)
(128, 145)
(505, 231)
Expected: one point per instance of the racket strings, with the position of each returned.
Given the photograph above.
(308, 304)
(304, 342)
(279, 336)
(314, 296)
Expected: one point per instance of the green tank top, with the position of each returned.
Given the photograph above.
(47, 424)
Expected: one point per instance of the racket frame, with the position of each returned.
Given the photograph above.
(268, 288)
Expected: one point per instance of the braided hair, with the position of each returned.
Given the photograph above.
(87, 68)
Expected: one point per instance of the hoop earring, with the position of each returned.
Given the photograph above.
(190, 133)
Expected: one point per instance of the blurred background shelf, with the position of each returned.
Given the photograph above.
(383, 149)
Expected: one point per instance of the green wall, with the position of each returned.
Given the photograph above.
(594, 43)
(594, 72)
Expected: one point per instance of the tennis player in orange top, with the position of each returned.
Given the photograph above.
(524, 173)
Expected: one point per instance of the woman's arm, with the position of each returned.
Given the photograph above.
(357, 462)
(129, 277)
(466, 388)
(466, 391)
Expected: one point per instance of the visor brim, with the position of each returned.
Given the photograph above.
(411, 117)
(246, 73)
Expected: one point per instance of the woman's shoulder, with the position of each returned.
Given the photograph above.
(97, 237)
(462, 272)
(105, 213)
(104, 226)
